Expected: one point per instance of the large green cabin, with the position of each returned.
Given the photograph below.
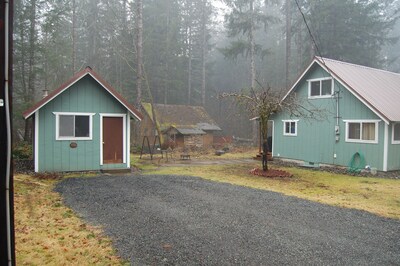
(83, 125)
(361, 114)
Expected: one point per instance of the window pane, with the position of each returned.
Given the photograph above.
(66, 126)
(293, 127)
(315, 88)
(287, 127)
(81, 126)
(354, 131)
(396, 134)
(326, 87)
(368, 131)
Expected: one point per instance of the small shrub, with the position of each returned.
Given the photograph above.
(22, 150)
(48, 175)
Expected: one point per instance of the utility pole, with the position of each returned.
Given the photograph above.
(7, 243)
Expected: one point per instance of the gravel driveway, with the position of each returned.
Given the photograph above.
(175, 220)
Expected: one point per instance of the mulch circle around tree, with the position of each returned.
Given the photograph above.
(271, 173)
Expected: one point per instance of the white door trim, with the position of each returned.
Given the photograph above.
(102, 115)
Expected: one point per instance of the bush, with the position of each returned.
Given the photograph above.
(23, 151)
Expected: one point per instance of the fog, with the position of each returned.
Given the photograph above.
(193, 50)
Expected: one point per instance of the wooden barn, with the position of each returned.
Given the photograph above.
(83, 125)
(181, 125)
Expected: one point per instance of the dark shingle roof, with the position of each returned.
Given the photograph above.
(182, 116)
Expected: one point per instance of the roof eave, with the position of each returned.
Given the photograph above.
(352, 91)
(335, 76)
(87, 71)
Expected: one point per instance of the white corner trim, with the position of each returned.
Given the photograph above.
(386, 148)
(101, 140)
(273, 136)
(36, 141)
(128, 139)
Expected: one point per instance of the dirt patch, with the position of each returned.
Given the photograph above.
(271, 173)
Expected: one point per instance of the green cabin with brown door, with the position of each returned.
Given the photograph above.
(84, 125)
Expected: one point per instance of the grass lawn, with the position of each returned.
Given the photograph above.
(205, 154)
(48, 233)
(376, 195)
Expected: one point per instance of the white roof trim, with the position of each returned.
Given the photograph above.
(67, 87)
(138, 118)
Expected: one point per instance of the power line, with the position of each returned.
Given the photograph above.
(309, 31)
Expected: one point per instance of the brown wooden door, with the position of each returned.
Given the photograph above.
(113, 140)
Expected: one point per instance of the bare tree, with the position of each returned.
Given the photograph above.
(265, 102)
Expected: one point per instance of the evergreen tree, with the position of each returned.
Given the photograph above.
(245, 18)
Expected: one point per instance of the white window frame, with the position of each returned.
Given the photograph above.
(58, 137)
(320, 81)
(361, 121)
(393, 140)
(295, 126)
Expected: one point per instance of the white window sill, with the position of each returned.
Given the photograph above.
(362, 141)
(71, 138)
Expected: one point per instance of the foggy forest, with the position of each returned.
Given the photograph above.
(191, 51)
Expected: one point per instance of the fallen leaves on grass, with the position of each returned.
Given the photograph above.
(271, 173)
(48, 233)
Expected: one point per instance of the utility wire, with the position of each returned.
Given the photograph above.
(309, 31)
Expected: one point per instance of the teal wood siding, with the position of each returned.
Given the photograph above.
(315, 140)
(393, 152)
(85, 96)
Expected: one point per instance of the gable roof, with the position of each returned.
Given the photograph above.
(186, 130)
(78, 76)
(181, 116)
(378, 89)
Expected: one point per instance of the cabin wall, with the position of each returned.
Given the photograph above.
(316, 139)
(208, 139)
(56, 155)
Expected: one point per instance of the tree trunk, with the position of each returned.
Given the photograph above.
(153, 112)
(73, 36)
(30, 96)
(203, 54)
(189, 64)
(299, 49)
(139, 50)
(288, 40)
(166, 81)
(265, 148)
(252, 48)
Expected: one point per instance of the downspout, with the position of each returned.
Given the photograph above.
(8, 128)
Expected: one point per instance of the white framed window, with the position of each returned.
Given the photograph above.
(74, 126)
(320, 88)
(396, 133)
(290, 127)
(363, 131)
